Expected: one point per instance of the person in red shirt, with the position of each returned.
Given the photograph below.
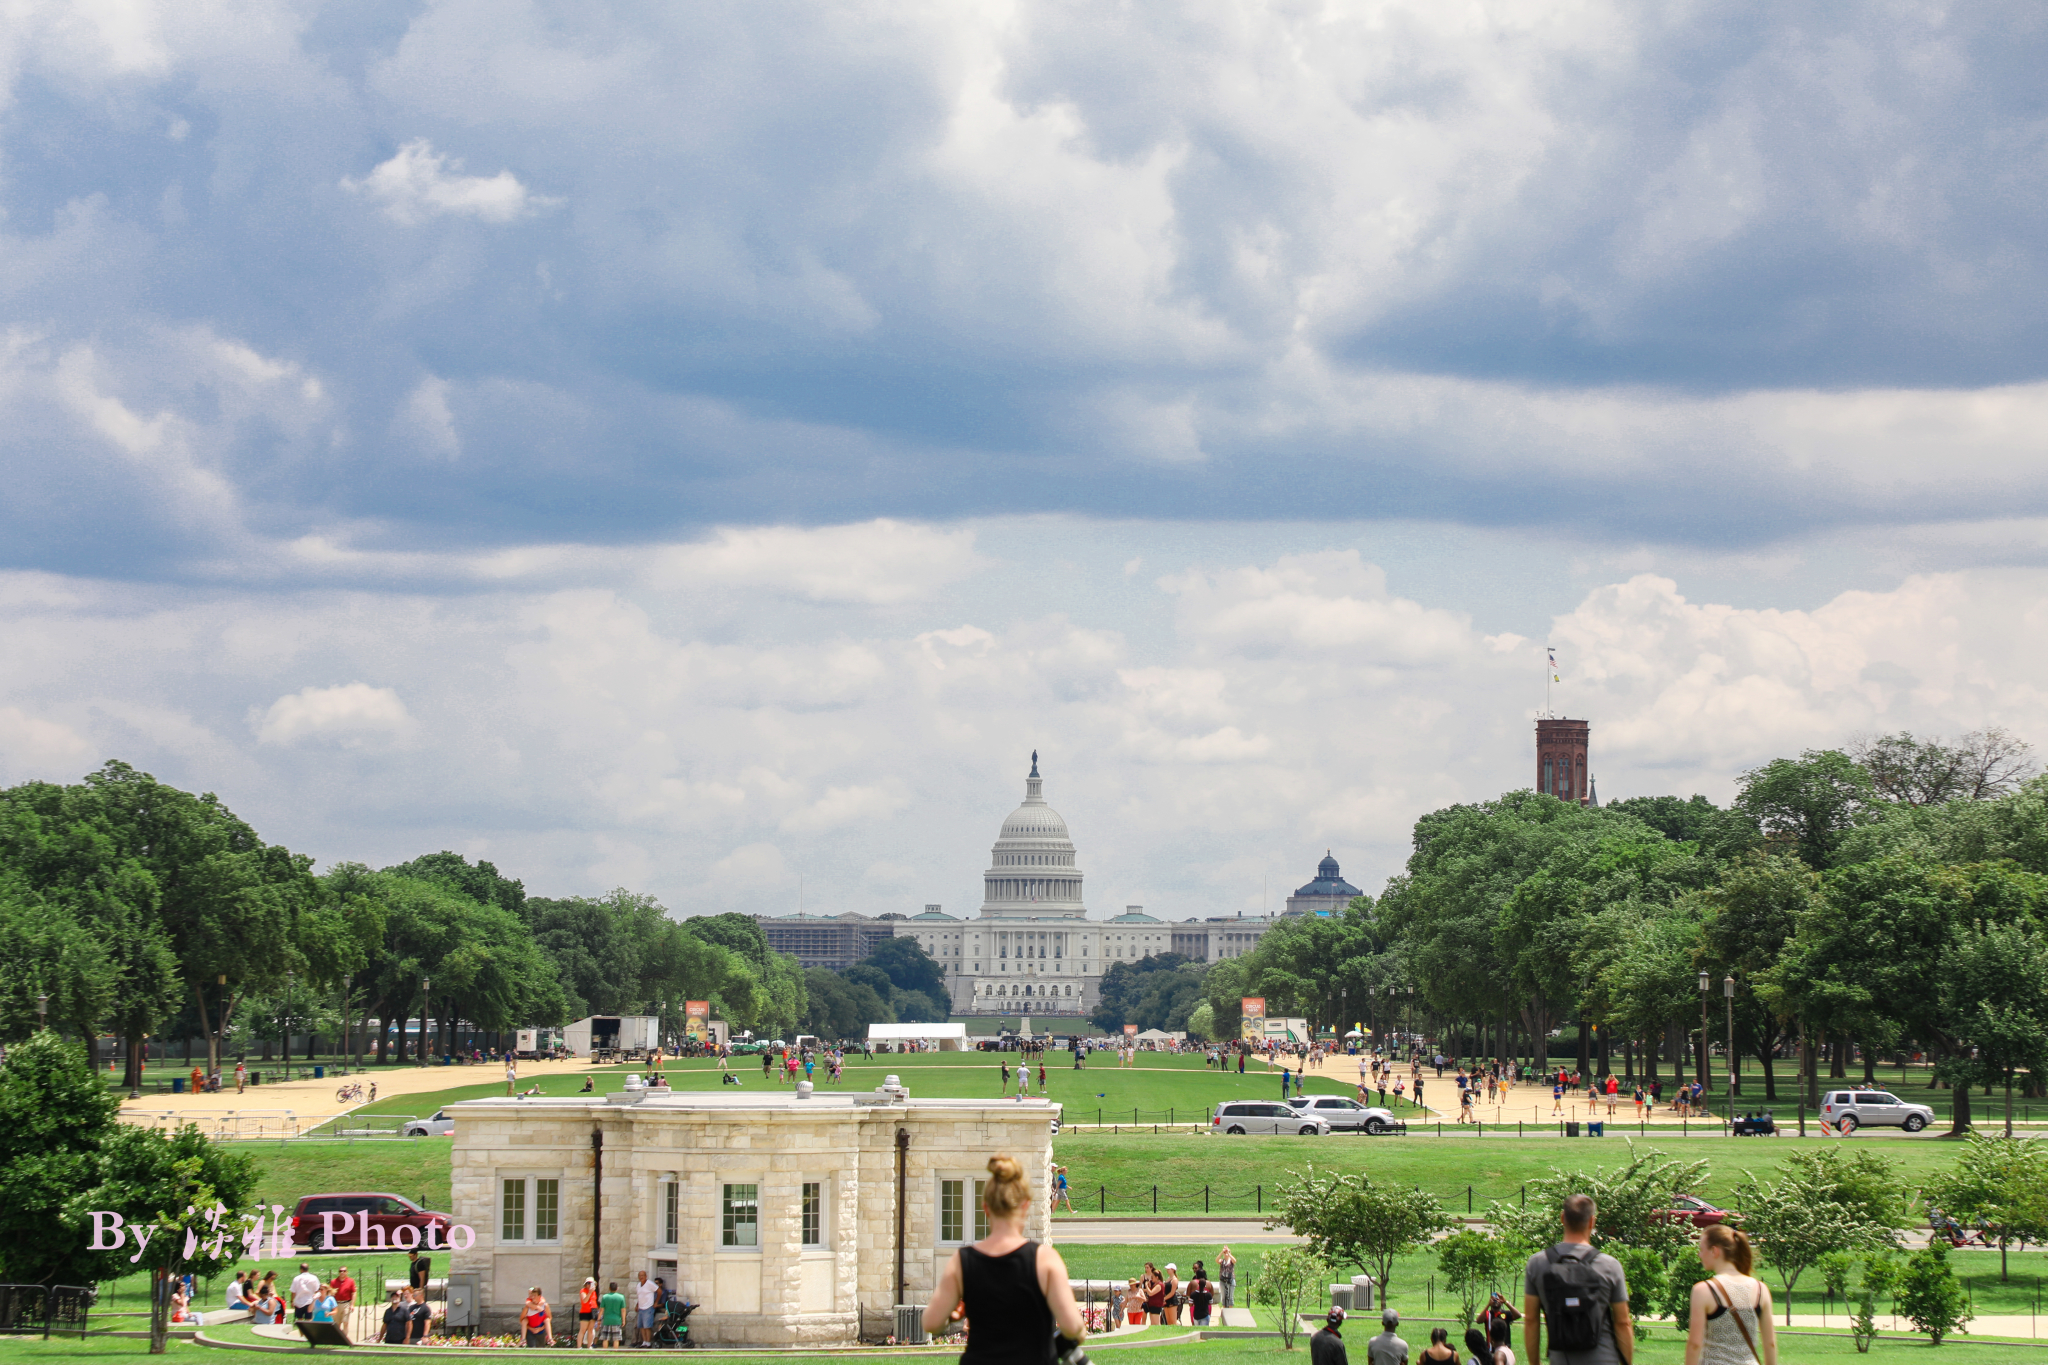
(344, 1294)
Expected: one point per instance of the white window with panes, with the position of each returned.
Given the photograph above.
(739, 1217)
(529, 1209)
(961, 1215)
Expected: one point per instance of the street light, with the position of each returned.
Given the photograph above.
(426, 993)
(289, 979)
(42, 1011)
(347, 1021)
(1706, 984)
(1728, 1001)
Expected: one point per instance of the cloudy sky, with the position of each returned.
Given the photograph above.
(701, 447)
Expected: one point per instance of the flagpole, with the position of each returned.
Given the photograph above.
(1548, 674)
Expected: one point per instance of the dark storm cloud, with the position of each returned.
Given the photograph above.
(414, 275)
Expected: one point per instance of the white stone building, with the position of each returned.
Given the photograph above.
(776, 1212)
(1033, 948)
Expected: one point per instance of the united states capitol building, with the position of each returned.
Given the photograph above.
(1032, 947)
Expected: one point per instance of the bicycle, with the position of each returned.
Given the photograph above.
(349, 1093)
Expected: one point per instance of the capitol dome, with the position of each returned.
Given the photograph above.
(1032, 869)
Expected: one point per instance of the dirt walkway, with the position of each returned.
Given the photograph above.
(285, 1108)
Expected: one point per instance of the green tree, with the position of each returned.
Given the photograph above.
(909, 967)
(1880, 1276)
(1981, 765)
(1719, 834)
(1123, 988)
(1747, 917)
(1927, 1295)
(64, 1154)
(2012, 827)
(1809, 803)
(1202, 1023)
(1994, 992)
(836, 1007)
(1823, 1202)
(1472, 1265)
(2001, 1180)
(1288, 1279)
(1633, 1200)
(1350, 1220)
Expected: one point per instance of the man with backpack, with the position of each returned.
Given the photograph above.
(1580, 1295)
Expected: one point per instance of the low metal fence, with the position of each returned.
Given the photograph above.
(41, 1309)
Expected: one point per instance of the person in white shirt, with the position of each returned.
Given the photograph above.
(235, 1291)
(305, 1288)
(644, 1303)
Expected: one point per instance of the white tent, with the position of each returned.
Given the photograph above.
(941, 1037)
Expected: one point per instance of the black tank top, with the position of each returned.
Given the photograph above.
(1008, 1322)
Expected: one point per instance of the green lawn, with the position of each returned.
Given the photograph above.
(1124, 1168)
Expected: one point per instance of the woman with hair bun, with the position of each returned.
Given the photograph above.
(1731, 1310)
(1012, 1291)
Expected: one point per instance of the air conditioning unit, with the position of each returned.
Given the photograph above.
(462, 1300)
(910, 1325)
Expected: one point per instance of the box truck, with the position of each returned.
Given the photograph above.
(613, 1035)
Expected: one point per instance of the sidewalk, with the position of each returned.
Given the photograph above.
(294, 1106)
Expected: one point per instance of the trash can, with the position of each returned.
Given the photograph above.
(255, 1078)
(177, 1085)
(319, 1073)
(1597, 1129)
(1571, 1128)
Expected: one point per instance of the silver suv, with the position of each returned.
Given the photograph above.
(1853, 1109)
(1345, 1114)
(1265, 1116)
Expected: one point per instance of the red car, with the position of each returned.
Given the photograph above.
(1690, 1208)
(370, 1221)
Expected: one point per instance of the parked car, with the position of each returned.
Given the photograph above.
(1690, 1208)
(438, 1126)
(1853, 1109)
(1345, 1115)
(1265, 1116)
(372, 1211)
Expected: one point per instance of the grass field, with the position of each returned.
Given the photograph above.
(1126, 1167)
(1165, 1089)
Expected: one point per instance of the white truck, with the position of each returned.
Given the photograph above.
(536, 1042)
(609, 1036)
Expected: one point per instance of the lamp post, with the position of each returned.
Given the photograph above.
(1343, 1008)
(426, 993)
(1706, 984)
(42, 1011)
(347, 1023)
(1728, 1000)
(290, 979)
(1372, 1016)
(1411, 1010)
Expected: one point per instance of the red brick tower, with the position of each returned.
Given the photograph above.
(1561, 758)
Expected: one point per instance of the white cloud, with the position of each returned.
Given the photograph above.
(426, 416)
(1330, 603)
(350, 712)
(879, 562)
(418, 183)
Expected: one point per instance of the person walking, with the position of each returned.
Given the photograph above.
(1226, 1277)
(1326, 1347)
(511, 1075)
(241, 1075)
(397, 1319)
(1013, 1290)
(1580, 1294)
(1006, 1077)
(1731, 1310)
(1387, 1348)
(1060, 1193)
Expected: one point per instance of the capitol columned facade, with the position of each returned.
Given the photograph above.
(1033, 949)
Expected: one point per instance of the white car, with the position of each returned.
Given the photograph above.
(438, 1126)
(1264, 1116)
(1345, 1115)
(1853, 1109)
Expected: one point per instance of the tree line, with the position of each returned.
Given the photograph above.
(130, 907)
(1889, 896)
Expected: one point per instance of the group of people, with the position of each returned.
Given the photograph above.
(600, 1318)
(1154, 1298)
(1024, 1070)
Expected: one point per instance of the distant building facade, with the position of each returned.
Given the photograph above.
(1561, 759)
(1328, 894)
(835, 941)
